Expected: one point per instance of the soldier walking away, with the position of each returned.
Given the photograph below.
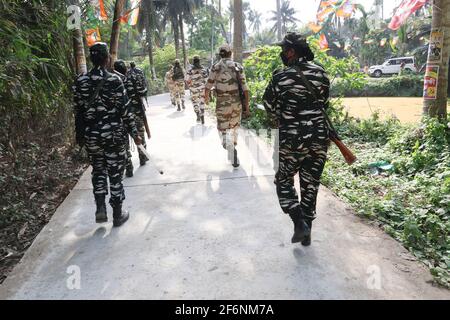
(170, 85)
(102, 123)
(196, 79)
(136, 86)
(228, 78)
(303, 131)
(178, 77)
(120, 69)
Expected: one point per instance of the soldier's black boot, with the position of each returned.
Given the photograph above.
(301, 229)
(179, 108)
(100, 213)
(198, 117)
(307, 241)
(119, 217)
(235, 159)
(182, 103)
(129, 172)
(203, 119)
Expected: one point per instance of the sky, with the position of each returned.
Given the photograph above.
(306, 9)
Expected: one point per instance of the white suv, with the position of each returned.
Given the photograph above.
(393, 66)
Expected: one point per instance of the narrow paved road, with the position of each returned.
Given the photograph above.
(206, 231)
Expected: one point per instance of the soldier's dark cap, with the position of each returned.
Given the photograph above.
(120, 64)
(99, 48)
(293, 40)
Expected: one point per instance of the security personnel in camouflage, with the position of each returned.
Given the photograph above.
(120, 69)
(224, 76)
(178, 77)
(196, 79)
(303, 131)
(136, 86)
(102, 123)
(170, 85)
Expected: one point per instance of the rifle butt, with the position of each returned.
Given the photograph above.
(348, 155)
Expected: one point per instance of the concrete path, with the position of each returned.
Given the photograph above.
(206, 231)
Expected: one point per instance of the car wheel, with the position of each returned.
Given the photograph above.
(378, 74)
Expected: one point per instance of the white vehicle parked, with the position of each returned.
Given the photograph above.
(393, 66)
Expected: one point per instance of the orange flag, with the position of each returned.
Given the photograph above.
(103, 15)
(314, 27)
(323, 42)
(92, 36)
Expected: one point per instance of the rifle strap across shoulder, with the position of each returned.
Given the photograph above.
(96, 92)
(315, 95)
(308, 84)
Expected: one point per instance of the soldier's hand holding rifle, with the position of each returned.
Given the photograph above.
(137, 141)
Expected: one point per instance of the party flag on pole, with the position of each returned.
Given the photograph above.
(323, 42)
(406, 8)
(92, 36)
(314, 27)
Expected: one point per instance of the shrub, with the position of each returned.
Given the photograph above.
(396, 86)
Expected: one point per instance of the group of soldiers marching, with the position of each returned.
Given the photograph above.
(109, 107)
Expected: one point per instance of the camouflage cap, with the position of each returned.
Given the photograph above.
(99, 48)
(225, 47)
(293, 40)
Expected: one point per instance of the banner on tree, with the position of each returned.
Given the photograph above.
(435, 47)
(431, 82)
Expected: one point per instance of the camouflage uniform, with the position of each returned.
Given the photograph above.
(223, 77)
(129, 161)
(136, 87)
(179, 86)
(303, 134)
(197, 77)
(171, 86)
(107, 122)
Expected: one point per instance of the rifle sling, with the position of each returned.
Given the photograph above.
(314, 93)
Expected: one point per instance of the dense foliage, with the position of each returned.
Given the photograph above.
(34, 71)
(411, 200)
(397, 86)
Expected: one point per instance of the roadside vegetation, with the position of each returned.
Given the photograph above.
(402, 177)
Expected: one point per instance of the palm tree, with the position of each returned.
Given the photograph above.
(438, 107)
(255, 20)
(287, 14)
(179, 11)
(278, 19)
(148, 18)
(238, 17)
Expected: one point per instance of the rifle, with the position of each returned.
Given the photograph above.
(349, 157)
(147, 128)
(240, 88)
(144, 117)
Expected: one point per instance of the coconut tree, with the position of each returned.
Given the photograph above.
(179, 11)
(287, 16)
(254, 18)
(238, 17)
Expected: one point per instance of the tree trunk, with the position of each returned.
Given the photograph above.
(148, 9)
(115, 32)
(238, 30)
(78, 49)
(279, 23)
(176, 36)
(183, 40)
(441, 20)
